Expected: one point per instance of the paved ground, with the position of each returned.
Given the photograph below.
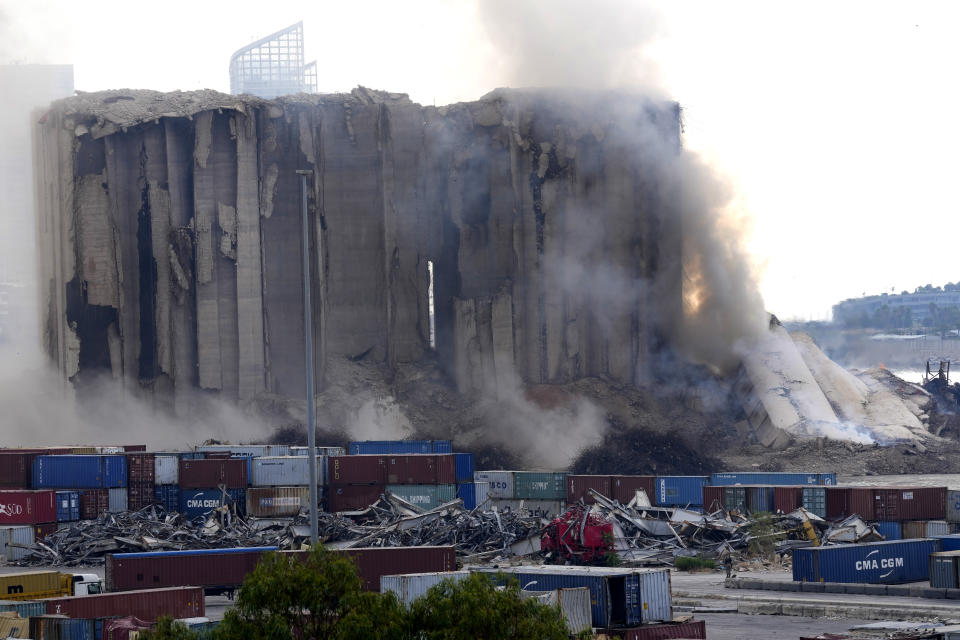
(733, 626)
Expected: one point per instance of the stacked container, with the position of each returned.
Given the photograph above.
(79, 472)
(357, 481)
(388, 447)
(533, 492)
(200, 482)
(166, 477)
(141, 480)
(68, 506)
(769, 478)
(680, 491)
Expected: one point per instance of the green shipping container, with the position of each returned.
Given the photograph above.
(425, 496)
(534, 485)
(815, 500)
(735, 499)
(24, 608)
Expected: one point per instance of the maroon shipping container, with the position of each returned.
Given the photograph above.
(787, 499)
(847, 501)
(27, 507)
(412, 469)
(148, 605)
(690, 630)
(713, 499)
(578, 488)
(93, 503)
(909, 503)
(140, 468)
(203, 474)
(374, 562)
(215, 572)
(446, 468)
(357, 469)
(352, 497)
(41, 531)
(140, 496)
(15, 470)
(128, 448)
(624, 488)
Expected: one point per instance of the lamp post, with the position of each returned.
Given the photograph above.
(308, 359)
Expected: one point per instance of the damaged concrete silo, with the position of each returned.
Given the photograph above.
(169, 236)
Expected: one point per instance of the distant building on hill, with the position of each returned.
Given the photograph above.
(925, 307)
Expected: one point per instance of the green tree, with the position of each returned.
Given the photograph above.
(475, 609)
(169, 629)
(320, 596)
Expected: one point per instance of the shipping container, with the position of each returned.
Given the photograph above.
(890, 530)
(468, 493)
(55, 627)
(891, 562)
(277, 502)
(10, 536)
(79, 472)
(14, 626)
(116, 500)
(141, 468)
(167, 496)
(247, 450)
(425, 496)
(787, 499)
(148, 604)
(814, 500)
(41, 531)
(953, 506)
(24, 608)
(200, 474)
(196, 503)
(574, 604)
(945, 570)
(536, 485)
(578, 488)
(760, 499)
(357, 469)
(166, 469)
(15, 469)
(624, 488)
(68, 506)
(140, 496)
(408, 587)
(842, 502)
(548, 509)
(680, 490)
(415, 469)
(950, 542)
(120, 628)
(713, 498)
(770, 478)
(735, 499)
(321, 451)
(353, 497)
(463, 462)
(215, 570)
(499, 483)
(286, 471)
(689, 630)
(94, 503)
(389, 447)
(620, 597)
(27, 507)
(483, 494)
(376, 562)
(33, 585)
(910, 503)
(925, 528)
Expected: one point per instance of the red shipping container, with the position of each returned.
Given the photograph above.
(353, 497)
(412, 469)
(27, 507)
(134, 447)
(94, 503)
(374, 562)
(847, 501)
(690, 630)
(140, 468)
(357, 469)
(578, 488)
(624, 488)
(216, 572)
(909, 503)
(204, 474)
(15, 469)
(787, 499)
(148, 605)
(712, 499)
(140, 496)
(41, 531)
(446, 468)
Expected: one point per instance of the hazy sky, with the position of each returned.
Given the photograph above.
(835, 122)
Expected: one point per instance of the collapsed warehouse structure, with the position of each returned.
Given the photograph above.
(169, 235)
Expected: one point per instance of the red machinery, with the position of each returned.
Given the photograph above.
(578, 535)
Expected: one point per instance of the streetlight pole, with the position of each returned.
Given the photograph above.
(308, 359)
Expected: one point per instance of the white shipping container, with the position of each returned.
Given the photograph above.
(410, 586)
(574, 603)
(531, 508)
(321, 451)
(500, 483)
(482, 492)
(287, 471)
(247, 450)
(165, 469)
(18, 535)
(655, 598)
(117, 501)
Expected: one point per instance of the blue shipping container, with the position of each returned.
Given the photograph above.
(68, 506)
(66, 628)
(168, 495)
(79, 472)
(889, 530)
(442, 446)
(24, 608)
(780, 479)
(464, 465)
(199, 502)
(680, 491)
(388, 447)
(892, 562)
(950, 542)
(468, 493)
